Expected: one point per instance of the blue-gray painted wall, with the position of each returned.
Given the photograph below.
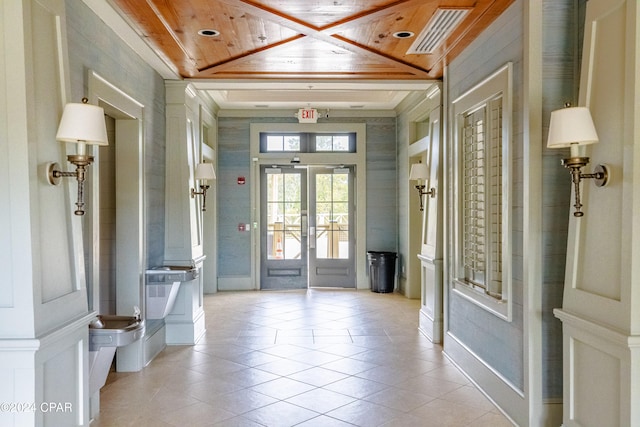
(94, 46)
(561, 56)
(500, 343)
(234, 201)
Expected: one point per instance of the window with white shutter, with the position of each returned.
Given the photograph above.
(482, 201)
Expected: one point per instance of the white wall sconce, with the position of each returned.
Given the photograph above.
(572, 127)
(420, 172)
(204, 172)
(82, 124)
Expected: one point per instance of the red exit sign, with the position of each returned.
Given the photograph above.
(307, 115)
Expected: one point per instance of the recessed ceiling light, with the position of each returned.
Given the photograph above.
(403, 34)
(209, 33)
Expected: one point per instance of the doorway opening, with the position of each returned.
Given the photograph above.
(307, 234)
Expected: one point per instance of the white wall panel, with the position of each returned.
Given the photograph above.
(601, 306)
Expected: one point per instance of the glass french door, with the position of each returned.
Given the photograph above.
(331, 228)
(307, 233)
(284, 228)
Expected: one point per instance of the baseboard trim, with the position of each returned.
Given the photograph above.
(504, 395)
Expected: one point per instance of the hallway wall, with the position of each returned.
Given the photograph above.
(234, 201)
(495, 341)
(94, 46)
(562, 48)
(475, 334)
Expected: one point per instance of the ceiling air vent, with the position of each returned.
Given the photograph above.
(443, 22)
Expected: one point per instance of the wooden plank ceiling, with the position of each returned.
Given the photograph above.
(302, 39)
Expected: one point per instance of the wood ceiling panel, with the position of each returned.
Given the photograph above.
(300, 39)
(320, 13)
(309, 58)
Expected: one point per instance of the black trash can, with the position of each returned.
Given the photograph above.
(382, 271)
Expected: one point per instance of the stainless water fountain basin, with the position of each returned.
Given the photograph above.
(172, 273)
(114, 331)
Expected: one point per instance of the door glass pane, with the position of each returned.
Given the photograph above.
(323, 187)
(340, 187)
(332, 143)
(274, 143)
(323, 143)
(340, 215)
(341, 143)
(332, 216)
(292, 187)
(283, 216)
(283, 143)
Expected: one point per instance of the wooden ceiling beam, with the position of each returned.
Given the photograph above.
(323, 34)
(369, 15)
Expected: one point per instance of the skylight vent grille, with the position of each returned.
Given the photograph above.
(443, 22)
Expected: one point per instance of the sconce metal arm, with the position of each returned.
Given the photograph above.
(575, 165)
(203, 193)
(81, 161)
(431, 192)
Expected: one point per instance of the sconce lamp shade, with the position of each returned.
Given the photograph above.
(83, 123)
(418, 171)
(205, 171)
(569, 126)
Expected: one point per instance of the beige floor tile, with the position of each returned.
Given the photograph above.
(207, 391)
(402, 400)
(492, 419)
(249, 377)
(320, 400)
(333, 339)
(242, 401)
(255, 357)
(196, 415)
(350, 366)
(316, 358)
(448, 373)
(284, 350)
(238, 421)
(283, 367)
(282, 388)
(365, 414)
(217, 366)
(318, 376)
(294, 340)
(469, 395)
(356, 387)
(300, 332)
(280, 414)
(324, 421)
(448, 413)
(429, 385)
(405, 420)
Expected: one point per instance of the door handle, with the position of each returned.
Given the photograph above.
(312, 237)
(303, 224)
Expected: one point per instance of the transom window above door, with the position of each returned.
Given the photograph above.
(307, 142)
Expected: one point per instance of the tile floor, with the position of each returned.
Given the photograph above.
(300, 358)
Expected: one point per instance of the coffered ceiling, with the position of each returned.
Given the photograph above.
(343, 53)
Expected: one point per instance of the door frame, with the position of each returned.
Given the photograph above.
(358, 159)
(131, 245)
